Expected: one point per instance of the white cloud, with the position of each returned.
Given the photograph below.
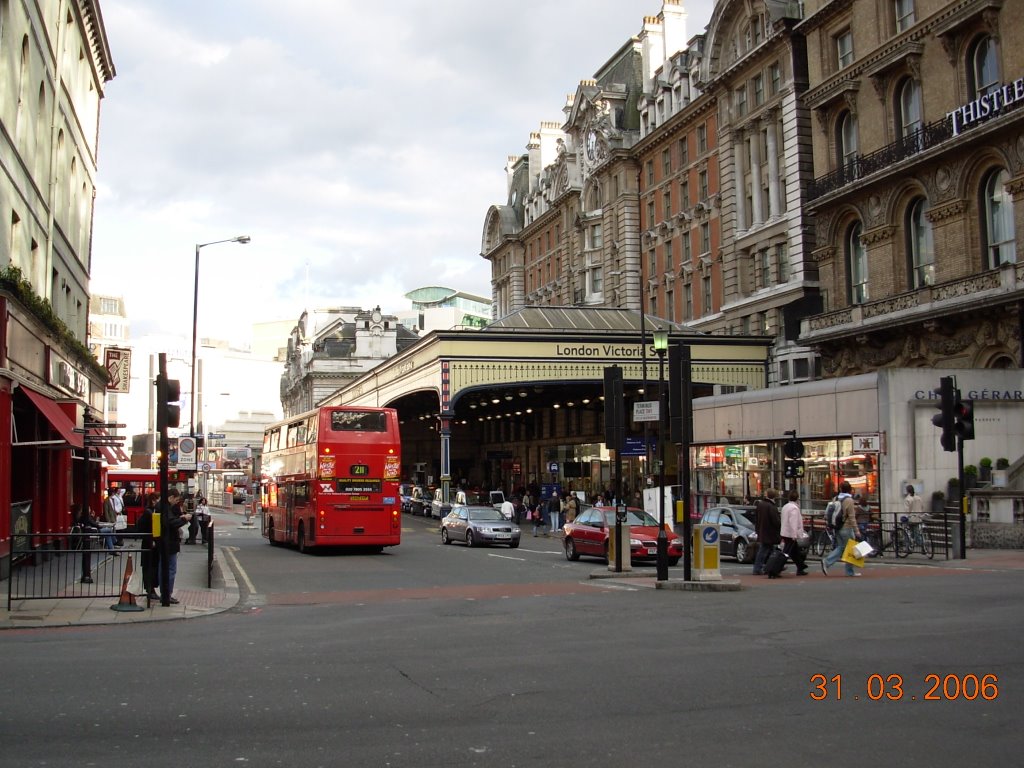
(359, 145)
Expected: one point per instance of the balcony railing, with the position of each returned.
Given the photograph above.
(923, 138)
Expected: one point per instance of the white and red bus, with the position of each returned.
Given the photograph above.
(330, 479)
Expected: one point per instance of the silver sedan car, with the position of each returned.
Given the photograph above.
(479, 525)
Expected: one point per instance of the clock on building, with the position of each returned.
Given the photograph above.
(591, 144)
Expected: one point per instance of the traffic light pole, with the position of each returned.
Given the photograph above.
(962, 505)
(164, 541)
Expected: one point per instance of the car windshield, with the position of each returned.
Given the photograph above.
(745, 518)
(633, 517)
(485, 513)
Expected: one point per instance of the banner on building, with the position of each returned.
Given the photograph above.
(118, 363)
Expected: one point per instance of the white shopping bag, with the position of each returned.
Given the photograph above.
(863, 549)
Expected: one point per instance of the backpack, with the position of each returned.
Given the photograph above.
(834, 514)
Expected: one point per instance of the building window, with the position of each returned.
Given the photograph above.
(908, 104)
(688, 302)
(684, 152)
(846, 141)
(783, 371)
(668, 256)
(702, 180)
(844, 48)
(669, 305)
(904, 10)
(758, 90)
(652, 305)
(650, 171)
(741, 101)
(684, 193)
(666, 162)
(650, 213)
(596, 279)
(652, 263)
(782, 262)
(687, 252)
(999, 230)
(857, 265)
(594, 237)
(702, 138)
(775, 78)
(705, 238)
(666, 202)
(920, 249)
(983, 69)
(765, 258)
(705, 281)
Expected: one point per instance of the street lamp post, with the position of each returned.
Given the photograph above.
(660, 348)
(195, 317)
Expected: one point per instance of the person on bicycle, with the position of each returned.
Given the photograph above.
(847, 532)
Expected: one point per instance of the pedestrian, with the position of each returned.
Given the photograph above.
(536, 515)
(769, 528)
(554, 509)
(846, 532)
(912, 503)
(203, 517)
(112, 507)
(572, 506)
(793, 533)
(193, 524)
(171, 523)
(508, 509)
(149, 557)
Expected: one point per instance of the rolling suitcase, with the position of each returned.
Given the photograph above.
(775, 563)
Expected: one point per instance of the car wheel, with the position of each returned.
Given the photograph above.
(570, 550)
(444, 536)
(673, 562)
(513, 545)
(469, 538)
(740, 550)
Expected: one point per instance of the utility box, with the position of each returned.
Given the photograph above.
(706, 553)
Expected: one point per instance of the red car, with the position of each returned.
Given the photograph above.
(588, 535)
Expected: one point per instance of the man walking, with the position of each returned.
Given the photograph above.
(845, 532)
(769, 528)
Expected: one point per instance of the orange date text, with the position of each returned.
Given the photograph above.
(893, 687)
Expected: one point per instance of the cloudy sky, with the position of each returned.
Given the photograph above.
(358, 145)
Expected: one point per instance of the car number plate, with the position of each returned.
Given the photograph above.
(652, 551)
(503, 535)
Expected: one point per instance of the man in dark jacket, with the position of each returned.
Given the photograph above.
(769, 528)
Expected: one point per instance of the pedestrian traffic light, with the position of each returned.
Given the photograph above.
(794, 468)
(168, 412)
(964, 412)
(945, 419)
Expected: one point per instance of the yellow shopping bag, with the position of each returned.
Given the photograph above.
(850, 554)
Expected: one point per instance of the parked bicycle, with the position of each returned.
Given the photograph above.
(912, 535)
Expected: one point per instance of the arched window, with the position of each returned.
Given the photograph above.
(908, 110)
(920, 246)
(982, 67)
(846, 141)
(998, 224)
(856, 265)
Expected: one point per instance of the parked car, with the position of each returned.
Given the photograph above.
(438, 508)
(588, 535)
(419, 501)
(737, 532)
(479, 525)
(405, 496)
(497, 498)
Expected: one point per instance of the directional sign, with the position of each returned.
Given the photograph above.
(215, 435)
(645, 410)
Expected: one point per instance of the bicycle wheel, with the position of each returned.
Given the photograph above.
(901, 542)
(874, 538)
(927, 545)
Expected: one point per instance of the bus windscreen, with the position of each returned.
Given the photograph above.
(358, 421)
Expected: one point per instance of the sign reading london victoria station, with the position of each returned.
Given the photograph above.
(1001, 98)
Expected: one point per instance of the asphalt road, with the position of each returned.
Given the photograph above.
(445, 656)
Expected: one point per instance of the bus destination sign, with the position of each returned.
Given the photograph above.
(358, 485)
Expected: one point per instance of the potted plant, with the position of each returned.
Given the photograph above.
(999, 474)
(953, 488)
(985, 469)
(938, 502)
(1002, 463)
(970, 476)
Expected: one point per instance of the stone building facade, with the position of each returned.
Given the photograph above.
(918, 196)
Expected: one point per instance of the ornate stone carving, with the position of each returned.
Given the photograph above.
(946, 211)
(878, 235)
(824, 255)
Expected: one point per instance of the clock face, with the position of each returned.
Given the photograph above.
(591, 144)
(376, 316)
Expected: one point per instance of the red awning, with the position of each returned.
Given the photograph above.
(57, 418)
(112, 453)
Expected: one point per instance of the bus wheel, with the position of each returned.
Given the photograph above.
(270, 533)
(302, 540)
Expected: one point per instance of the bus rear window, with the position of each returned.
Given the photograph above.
(358, 421)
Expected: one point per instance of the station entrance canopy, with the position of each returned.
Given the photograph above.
(541, 346)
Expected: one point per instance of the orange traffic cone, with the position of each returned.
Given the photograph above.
(127, 600)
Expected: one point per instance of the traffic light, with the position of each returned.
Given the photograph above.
(168, 412)
(964, 412)
(793, 448)
(946, 419)
(794, 468)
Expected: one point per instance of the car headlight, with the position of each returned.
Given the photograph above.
(752, 537)
(634, 542)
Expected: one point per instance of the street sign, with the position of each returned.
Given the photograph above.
(186, 453)
(646, 410)
(867, 443)
(215, 435)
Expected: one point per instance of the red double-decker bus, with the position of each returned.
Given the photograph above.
(138, 483)
(330, 479)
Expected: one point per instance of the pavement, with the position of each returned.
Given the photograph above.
(197, 600)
